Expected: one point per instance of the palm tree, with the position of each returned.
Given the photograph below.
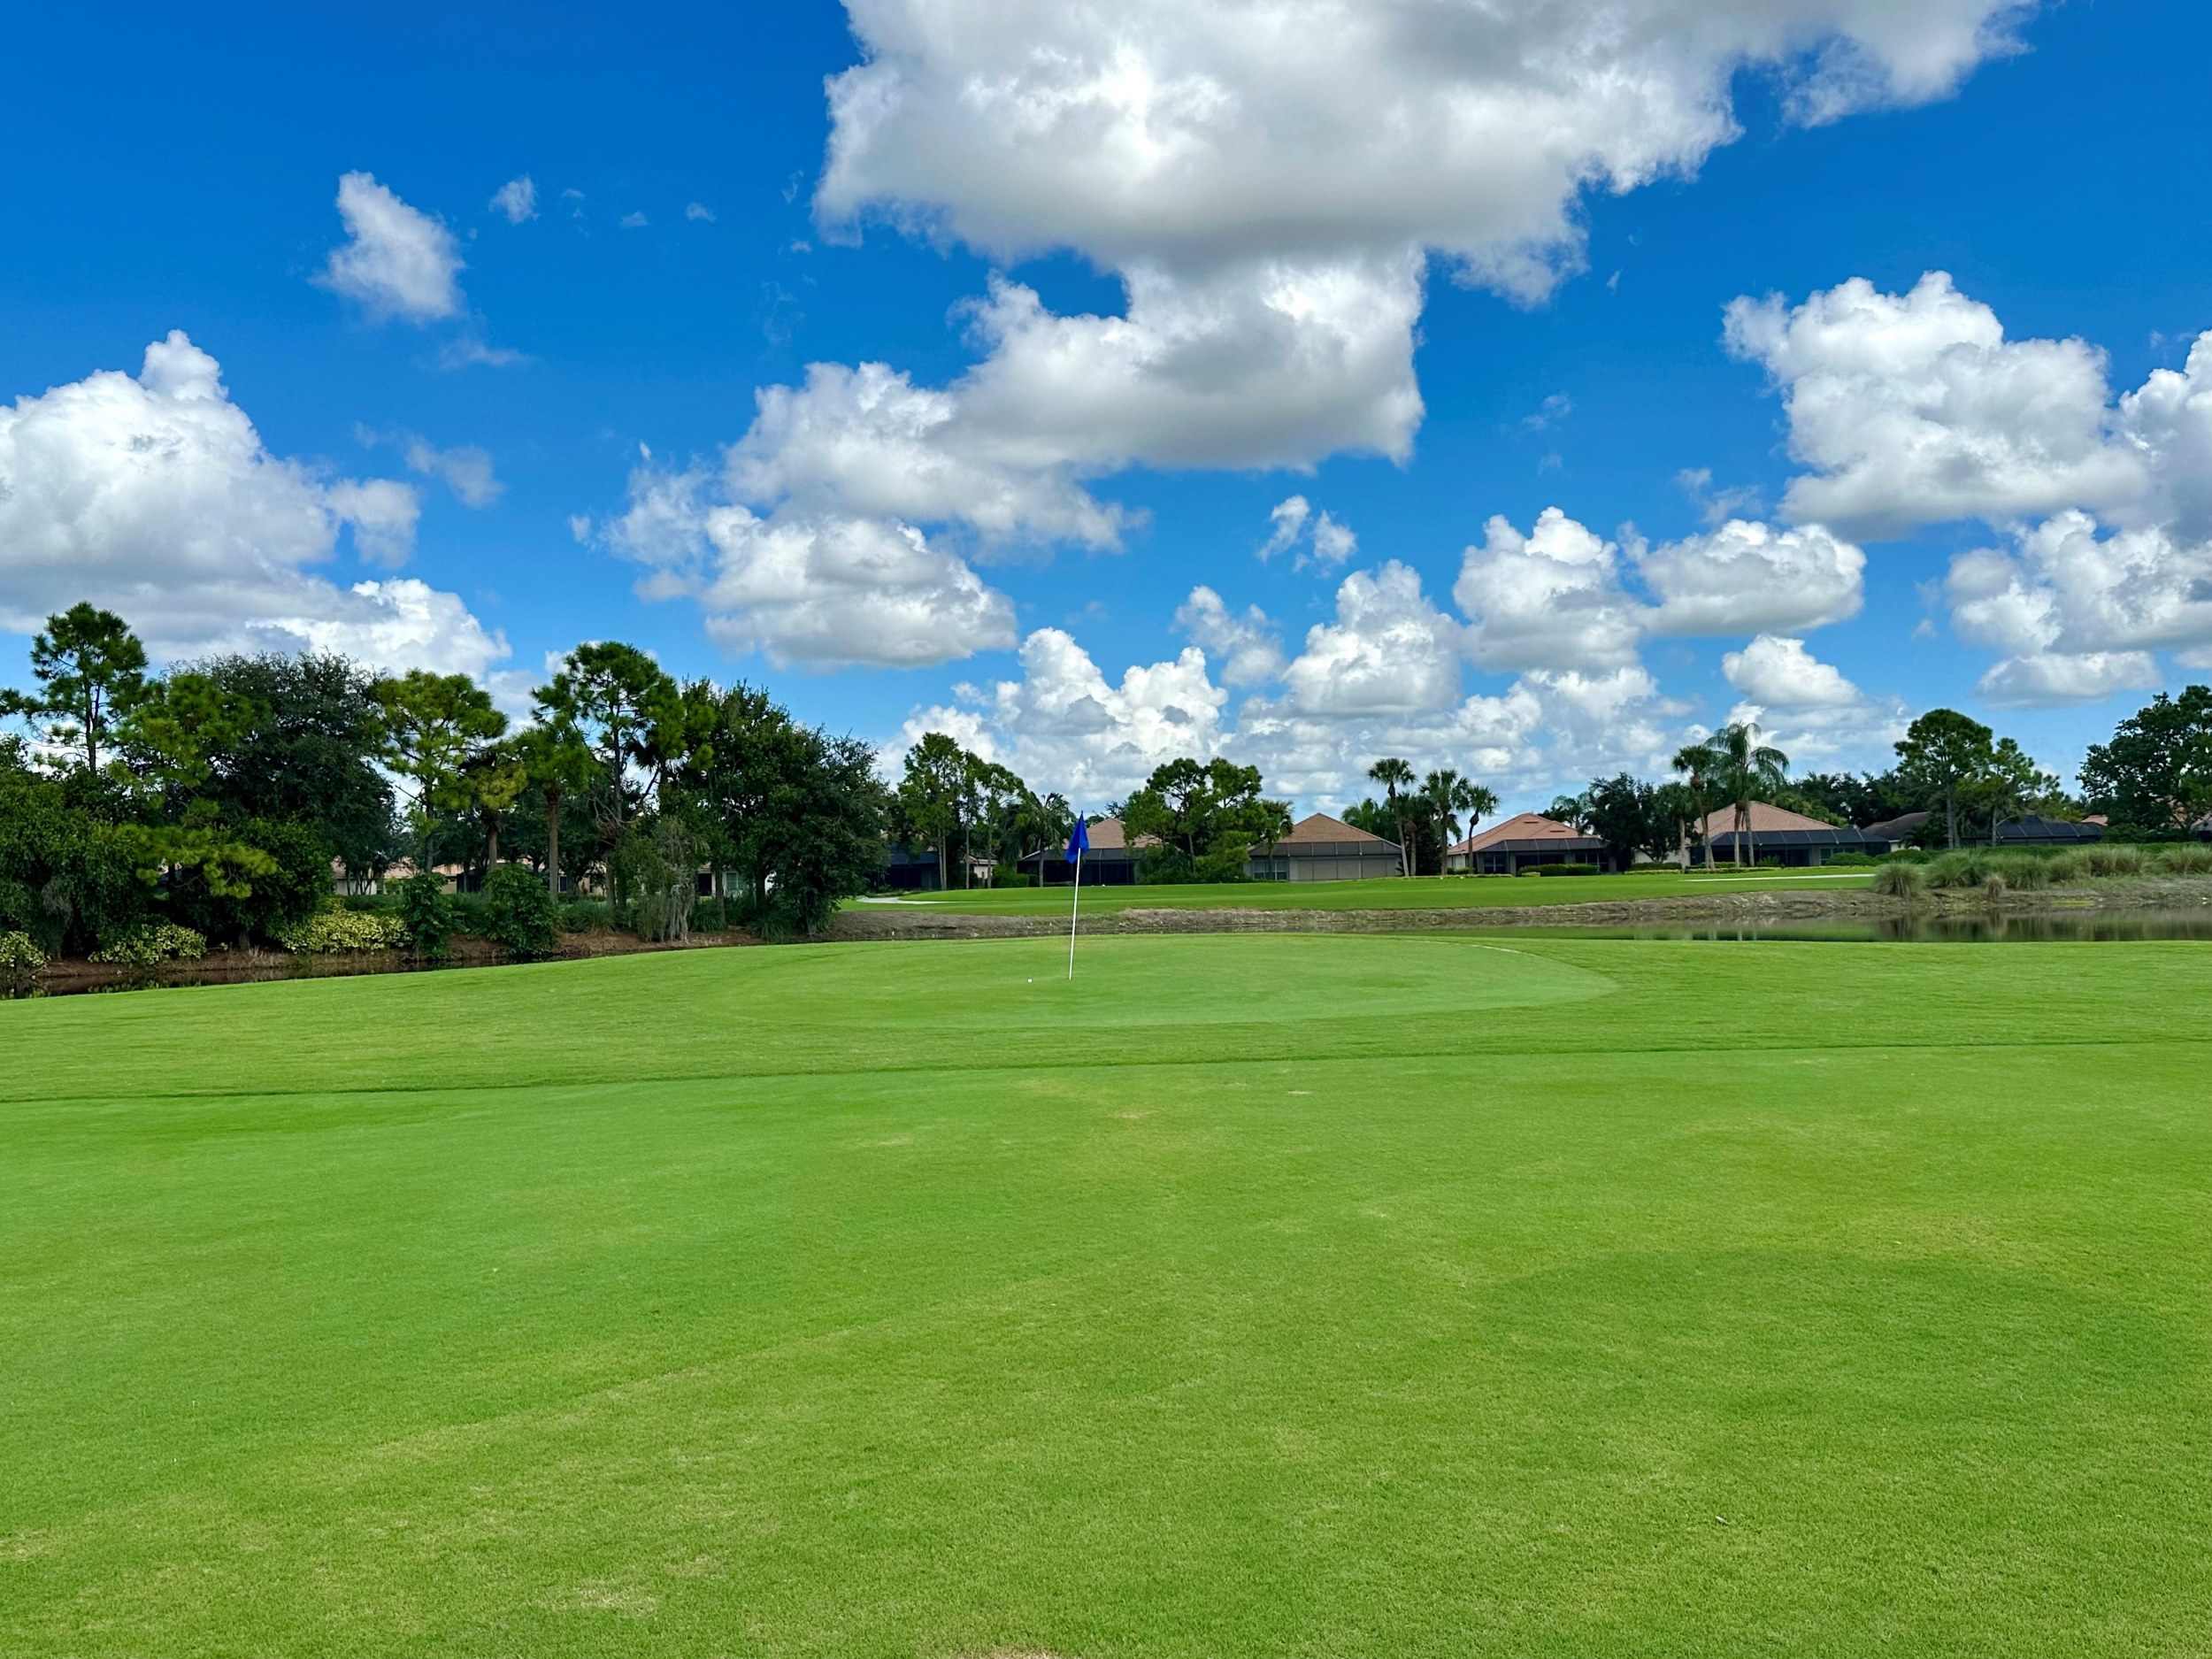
(1746, 767)
(1699, 763)
(1394, 774)
(1448, 795)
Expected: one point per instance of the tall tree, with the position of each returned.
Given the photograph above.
(1673, 807)
(1206, 817)
(1620, 814)
(2010, 784)
(434, 725)
(556, 760)
(1695, 762)
(1947, 755)
(492, 780)
(2154, 777)
(1743, 769)
(1396, 777)
(1449, 796)
(89, 667)
(623, 704)
(932, 798)
(310, 753)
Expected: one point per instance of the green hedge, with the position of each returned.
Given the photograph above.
(1563, 870)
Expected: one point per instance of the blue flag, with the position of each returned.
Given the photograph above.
(1079, 842)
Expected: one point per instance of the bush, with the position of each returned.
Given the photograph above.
(153, 944)
(2187, 858)
(291, 889)
(1562, 869)
(1012, 879)
(2111, 861)
(1902, 879)
(518, 913)
(19, 955)
(1852, 861)
(1994, 889)
(1230, 862)
(336, 932)
(428, 910)
(584, 916)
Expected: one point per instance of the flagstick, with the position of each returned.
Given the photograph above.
(1074, 904)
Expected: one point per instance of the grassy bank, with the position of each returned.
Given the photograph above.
(1422, 893)
(1251, 1295)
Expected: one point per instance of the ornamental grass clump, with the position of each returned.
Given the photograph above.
(2111, 861)
(150, 946)
(339, 932)
(2185, 858)
(1901, 881)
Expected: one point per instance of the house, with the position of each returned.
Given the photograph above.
(2034, 830)
(910, 869)
(915, 870)
(1515, 844)
(1324, 849)
(1789, 838)
(1110, 861)
(1899, 831)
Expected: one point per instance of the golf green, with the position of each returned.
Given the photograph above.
(1261, 1294)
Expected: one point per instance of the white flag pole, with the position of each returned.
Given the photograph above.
(1074, 903)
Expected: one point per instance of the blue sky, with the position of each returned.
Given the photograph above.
(1993, 524)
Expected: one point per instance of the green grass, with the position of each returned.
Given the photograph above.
(1424, 893)
(1253, 1295)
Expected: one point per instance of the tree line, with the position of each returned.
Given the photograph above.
(220, 796)
(223, 795)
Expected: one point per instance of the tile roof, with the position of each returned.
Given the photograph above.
(1528, 826)
(1764, 818)
(1321, 827)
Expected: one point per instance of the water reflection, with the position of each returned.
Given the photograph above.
(1968, 928)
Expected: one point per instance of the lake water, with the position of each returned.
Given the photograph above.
(1992, 927)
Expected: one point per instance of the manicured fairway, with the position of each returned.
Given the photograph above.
(1426, 893)
(1255, 1296)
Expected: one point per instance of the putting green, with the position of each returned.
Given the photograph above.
(1253, 1295)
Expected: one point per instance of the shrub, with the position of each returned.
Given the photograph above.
(518, 913)
(1993, 887)
(2111, 861)
(2025, 871)
(712, 915)
(19, 955)
(1226, 863)
(1902, 879)
(583, 916)
(2187, 858)
(1565, 870)
(428, 910)
(1012, 879)
(335, 931)
(153, 944)
(1854, 861)
(292, 886)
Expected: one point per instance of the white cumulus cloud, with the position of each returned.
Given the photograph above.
(518, 199)
(1780, 672)
(820, 590)
(1550, 599)
(1247, 647)
(154, 497)
(1746, 575)
(1388, 651)
(397, 262)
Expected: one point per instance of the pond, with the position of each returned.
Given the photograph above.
(1985, 927)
